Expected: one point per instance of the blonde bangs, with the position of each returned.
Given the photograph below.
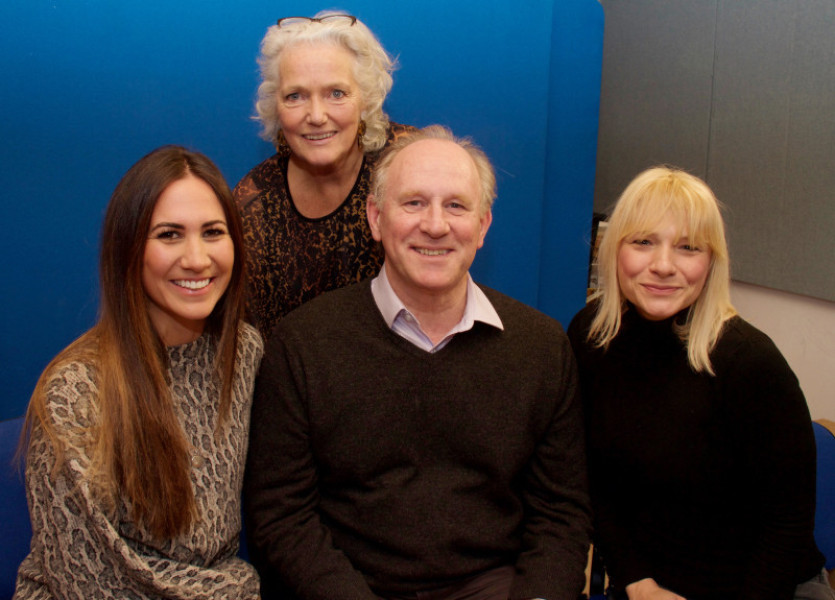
(679, 196)
(654, 195)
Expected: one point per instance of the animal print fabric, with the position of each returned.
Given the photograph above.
(292, 259)
(77, 551)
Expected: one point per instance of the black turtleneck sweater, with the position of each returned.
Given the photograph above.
(704, 483)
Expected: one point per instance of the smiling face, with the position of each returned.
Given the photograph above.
(319, 105)
(431, 223)
(662, 272)
(188, 260)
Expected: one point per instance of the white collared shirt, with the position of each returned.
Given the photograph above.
(406, 325)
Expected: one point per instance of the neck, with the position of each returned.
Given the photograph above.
(317, 192)
(437, 313)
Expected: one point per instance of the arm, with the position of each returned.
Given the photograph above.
(78, 550)
(613, 538)
(556, 529)
(647, 589)
(779, 452)
(280, 491)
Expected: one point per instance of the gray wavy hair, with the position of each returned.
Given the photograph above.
(372, 70)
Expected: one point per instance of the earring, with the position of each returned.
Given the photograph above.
(360, 133)
(281, 144)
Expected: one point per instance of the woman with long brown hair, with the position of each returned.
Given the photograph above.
(136, 433)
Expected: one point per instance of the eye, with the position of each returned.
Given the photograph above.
(166, 235)
(413, 204)
(641, 242)
(456, 207)
(338, 94)
(214, 232)
(293, 98)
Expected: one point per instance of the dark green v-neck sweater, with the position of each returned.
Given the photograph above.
(377, 466)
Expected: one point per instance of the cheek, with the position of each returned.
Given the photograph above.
(226, 257)
(397, 227)
(697, 274)
(285, 117)
(350, 112)
(152, 278)
(629, 264)
(153, 265)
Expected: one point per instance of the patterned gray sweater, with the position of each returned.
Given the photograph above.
(78, 552)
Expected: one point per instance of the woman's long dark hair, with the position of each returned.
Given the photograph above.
(138, 448)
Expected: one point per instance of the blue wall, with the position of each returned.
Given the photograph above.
(89, 86)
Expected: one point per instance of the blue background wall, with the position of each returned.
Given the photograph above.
(89, 86)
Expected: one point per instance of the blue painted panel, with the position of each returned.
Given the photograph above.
(89, 86)
(574, 101)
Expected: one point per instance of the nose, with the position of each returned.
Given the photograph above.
(663, 263)
(195, 255)
(434, 222)
(317, 113)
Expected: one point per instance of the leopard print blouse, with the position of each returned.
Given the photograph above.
(291, 258)
(77, 551)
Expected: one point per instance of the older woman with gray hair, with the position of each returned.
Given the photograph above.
(324, 81)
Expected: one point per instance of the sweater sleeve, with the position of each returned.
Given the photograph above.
(557, 515)
(777, 443)
(292, 547)
(77, 550)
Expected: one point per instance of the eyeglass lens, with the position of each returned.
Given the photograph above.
(289, 21)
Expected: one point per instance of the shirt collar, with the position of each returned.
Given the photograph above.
(478, 307)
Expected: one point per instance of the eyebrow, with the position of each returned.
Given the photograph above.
(300, 87)
(181, 226)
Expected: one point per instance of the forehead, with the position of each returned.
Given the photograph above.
(313, 59)
(189, 198)
(434, 165)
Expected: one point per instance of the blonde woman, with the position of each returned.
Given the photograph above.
(701, 451)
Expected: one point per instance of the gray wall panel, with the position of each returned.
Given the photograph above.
(656, 90)
(768, 151)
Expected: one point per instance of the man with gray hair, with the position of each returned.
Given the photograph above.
(417, 436)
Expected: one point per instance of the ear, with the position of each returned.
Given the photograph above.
(373, 214)
(486, 220)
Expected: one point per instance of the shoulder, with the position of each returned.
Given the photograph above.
(72, 373)
(533, 346)
(524, 321)
(249, 335)
(71, 393)
(250, 340)
(397, 130)
(580, 324)
(261, 176)
(749, 363)
(329, 310)
(505, 304)
(394, 131)
(741, 345)
(327, 327)
(762, 390)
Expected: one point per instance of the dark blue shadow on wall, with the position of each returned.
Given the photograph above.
(14, 514)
